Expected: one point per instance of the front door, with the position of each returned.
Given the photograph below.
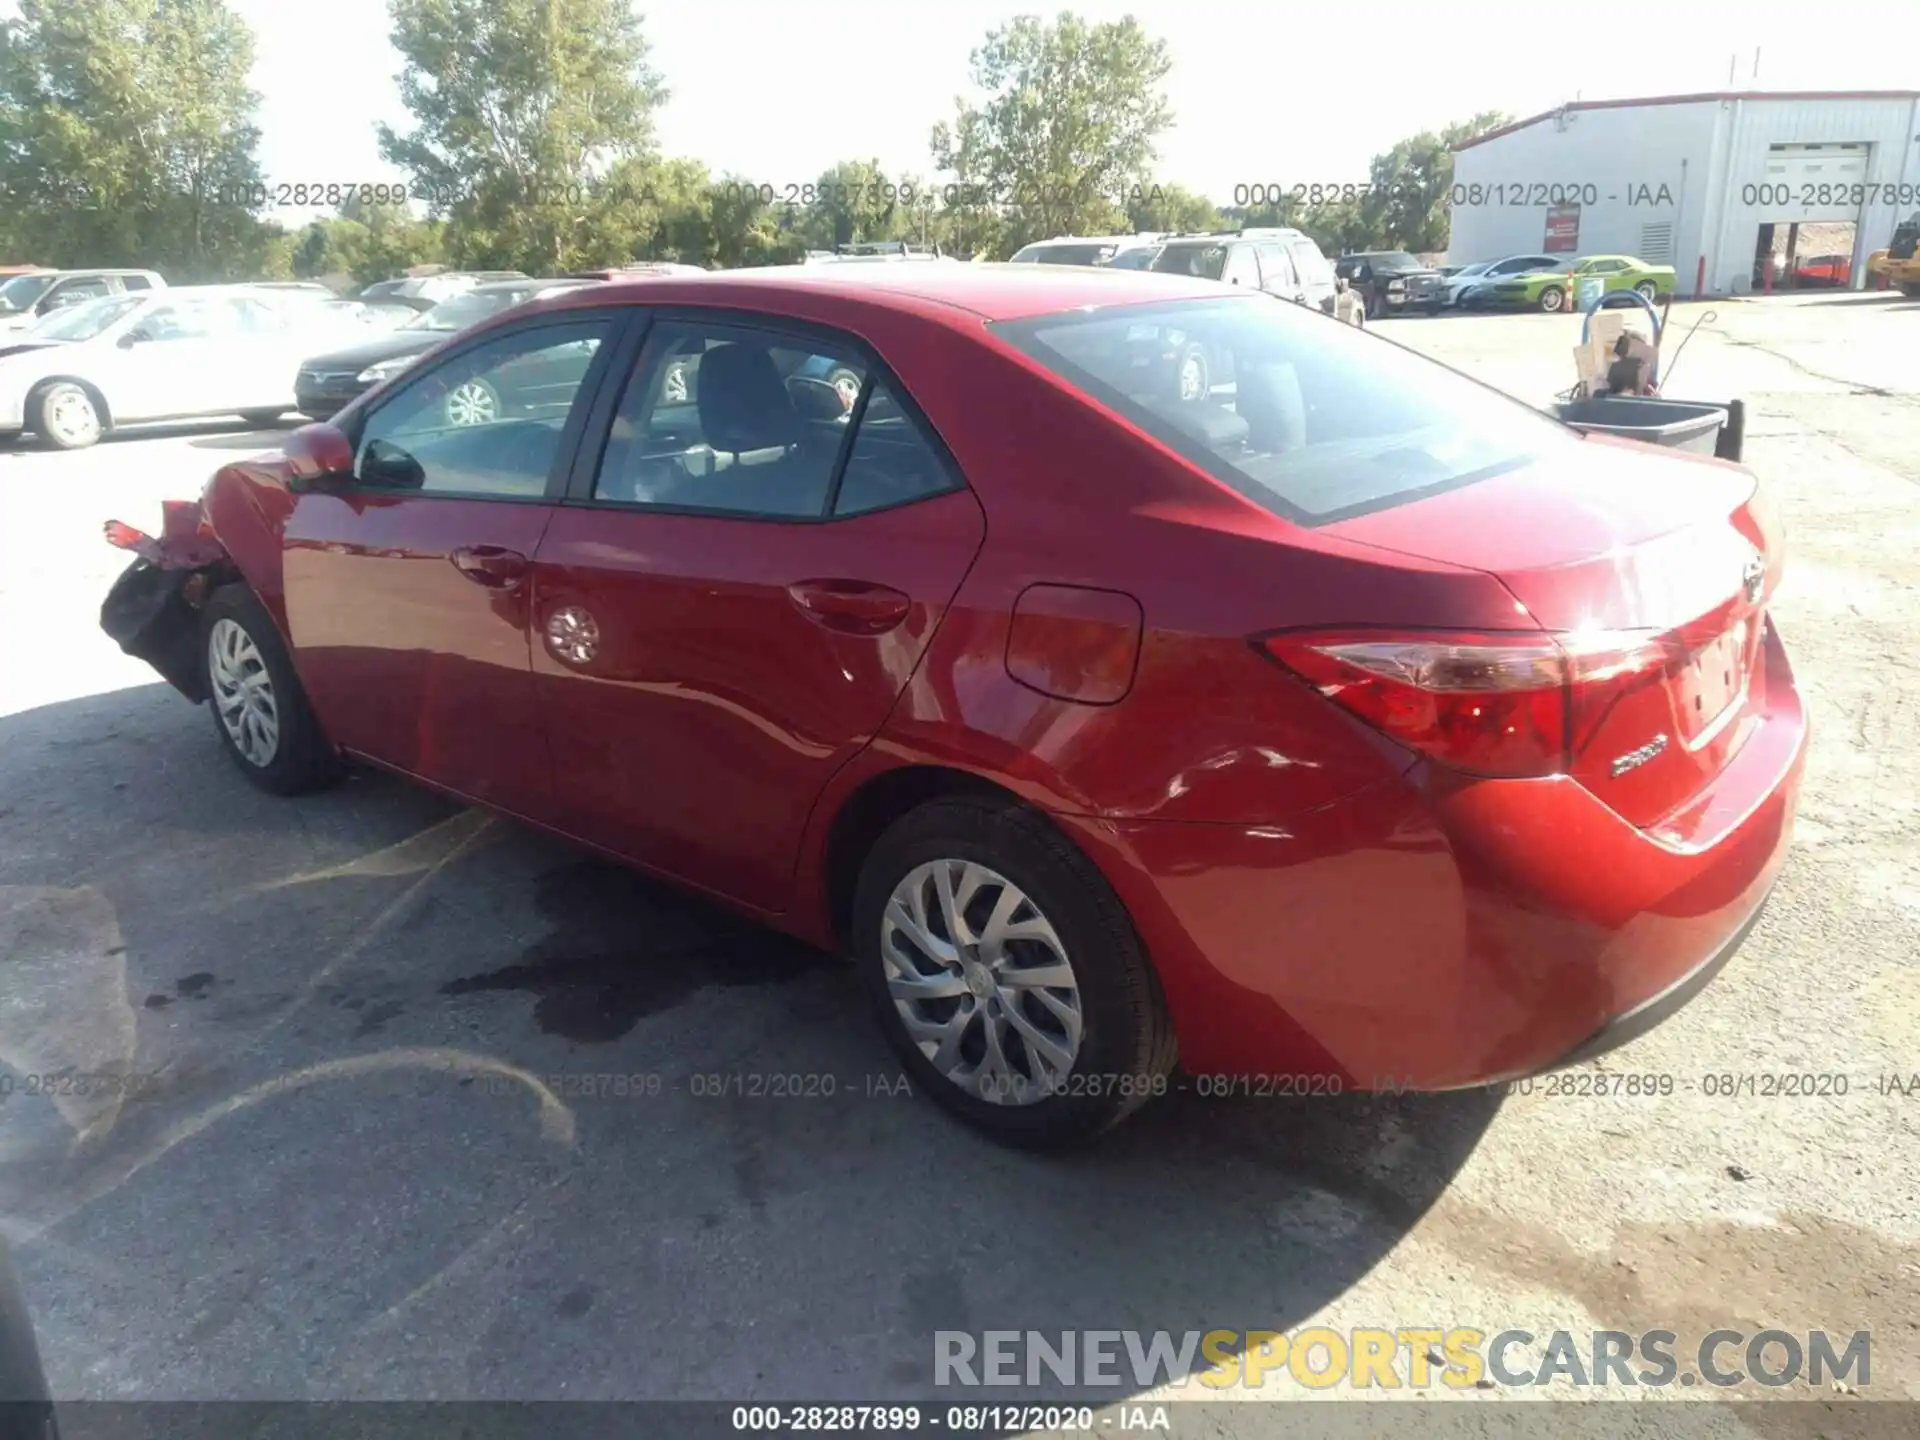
(735, 593)
(408, 590)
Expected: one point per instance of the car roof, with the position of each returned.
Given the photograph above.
(531, 281)
(987, 290)
(93, 270)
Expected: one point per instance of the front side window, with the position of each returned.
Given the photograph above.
(486, 421)
(1313, 422)
(75, 292)
(1276, 270)
(1311, 264)
(23, 292)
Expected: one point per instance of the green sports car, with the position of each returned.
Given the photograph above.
(1552, 290)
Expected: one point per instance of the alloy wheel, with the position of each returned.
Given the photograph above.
(982, 982)
(473, 403)
(243, 693)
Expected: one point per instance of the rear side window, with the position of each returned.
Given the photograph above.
(133, 282)
(1208, 262)
(1312, 421)
(893, 459)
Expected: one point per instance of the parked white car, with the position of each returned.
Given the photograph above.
(1461, 284)
(186, 351)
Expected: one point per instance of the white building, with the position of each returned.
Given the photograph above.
(1703, 183)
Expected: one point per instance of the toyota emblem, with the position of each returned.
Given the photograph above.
(1754, 579)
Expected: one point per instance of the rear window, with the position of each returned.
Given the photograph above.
(1311, 419)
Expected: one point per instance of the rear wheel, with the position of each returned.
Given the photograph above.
(258, 705)
(260, 419)
(65, 416)
(1007, 975)
(1648, 290)
(1553, 299)
(1910, 287)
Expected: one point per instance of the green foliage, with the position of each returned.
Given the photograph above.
(1066, 128)
(526, 116)
(127, 137)
(1170, 207)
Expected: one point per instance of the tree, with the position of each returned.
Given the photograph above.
(1068, 124)
(127, 137)
(522, 111)
(1171, 207)
(853, 200)
(1413, 182)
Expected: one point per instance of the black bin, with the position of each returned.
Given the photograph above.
(1679, 424)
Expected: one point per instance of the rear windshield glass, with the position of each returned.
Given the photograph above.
(1309, 418)
(1208, 262)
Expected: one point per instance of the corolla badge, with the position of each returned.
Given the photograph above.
(572, 635)
(1634, 759)
(1754, 579)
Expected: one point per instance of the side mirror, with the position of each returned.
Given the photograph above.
(133, 337)
(318, 455)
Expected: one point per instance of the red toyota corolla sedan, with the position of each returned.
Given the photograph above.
(1121, 668)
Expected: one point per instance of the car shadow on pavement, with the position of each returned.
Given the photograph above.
(388, 1098)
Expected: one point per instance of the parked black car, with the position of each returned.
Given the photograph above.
(1392, 282)
(327, 382)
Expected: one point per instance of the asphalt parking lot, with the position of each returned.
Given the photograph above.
(368, 1154)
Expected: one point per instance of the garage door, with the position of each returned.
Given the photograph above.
(1810, 182)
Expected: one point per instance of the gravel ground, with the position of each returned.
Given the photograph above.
(344, 1179)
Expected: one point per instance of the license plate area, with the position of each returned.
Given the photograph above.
(1710, 685)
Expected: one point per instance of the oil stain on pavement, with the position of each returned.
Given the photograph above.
(624, 947)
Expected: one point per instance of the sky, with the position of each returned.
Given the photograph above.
(1263, 91)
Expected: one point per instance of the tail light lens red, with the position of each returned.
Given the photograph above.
(1485, 703)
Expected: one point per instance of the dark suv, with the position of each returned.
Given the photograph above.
(1392, 282)
(1282, 262)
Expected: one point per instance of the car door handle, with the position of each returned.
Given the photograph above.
(857, 607)
(490, 565)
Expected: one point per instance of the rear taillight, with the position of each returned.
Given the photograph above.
(1485, 703)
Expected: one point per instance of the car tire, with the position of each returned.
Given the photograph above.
(1076, 929)
(847, 382)
(1648, 291)
(1910, 288)
(65, 415)
(260, 419)
(260, 709)
(1436, 307)
(1553, 300)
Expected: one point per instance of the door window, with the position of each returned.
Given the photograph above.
(189, 320)
(1241, 268)
(486, 421)
(75, 291)
(719, 418)
(1311, 264)
(1276, 270)
(894, 459)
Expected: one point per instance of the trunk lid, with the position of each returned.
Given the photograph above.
(1677, 556)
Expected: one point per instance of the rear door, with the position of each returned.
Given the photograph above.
(739, 584)
(408, 590)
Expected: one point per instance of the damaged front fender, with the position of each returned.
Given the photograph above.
(153, 610)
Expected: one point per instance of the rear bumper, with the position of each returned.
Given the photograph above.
(1434, 933)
